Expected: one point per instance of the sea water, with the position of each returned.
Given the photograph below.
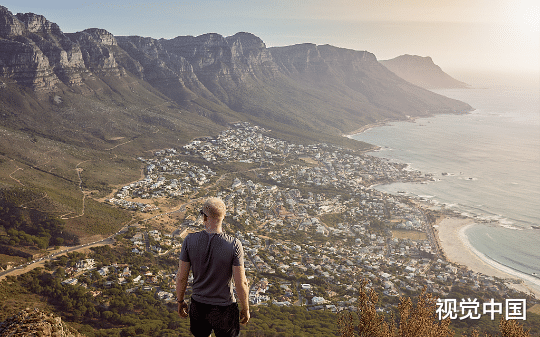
(486, 164)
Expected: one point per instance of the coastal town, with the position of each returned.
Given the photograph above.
(311, 224)
(305, 242)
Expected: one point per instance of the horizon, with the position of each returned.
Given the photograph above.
(460, 36)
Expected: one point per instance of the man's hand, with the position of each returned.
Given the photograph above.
(244, 316)
(183, 309)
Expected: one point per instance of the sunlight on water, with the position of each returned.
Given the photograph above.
(485, 164)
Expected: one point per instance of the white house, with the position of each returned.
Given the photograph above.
(306, 286)
(318, 300)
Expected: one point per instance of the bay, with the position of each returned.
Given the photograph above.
(486, 165)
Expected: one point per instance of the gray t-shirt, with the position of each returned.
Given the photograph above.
(212, 257)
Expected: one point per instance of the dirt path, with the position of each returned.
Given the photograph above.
(78, 170)
(18, 168)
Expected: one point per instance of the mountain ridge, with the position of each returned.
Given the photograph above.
(235, 77)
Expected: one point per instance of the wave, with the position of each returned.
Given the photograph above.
(469, 178)
(518, 263)
(479, 212)
(512, 227)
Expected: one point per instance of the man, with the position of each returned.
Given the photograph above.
(215, 259)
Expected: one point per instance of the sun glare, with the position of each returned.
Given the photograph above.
(526, 15)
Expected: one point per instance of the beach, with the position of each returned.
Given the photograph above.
(457, 249)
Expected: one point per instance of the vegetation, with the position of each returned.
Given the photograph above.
(418, 320)
(98, 219)
(119, 312)
(25, 227)
(290, 321)
(114, 310)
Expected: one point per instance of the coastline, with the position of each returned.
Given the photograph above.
(365, 128)
(383, 122)
(450, 232)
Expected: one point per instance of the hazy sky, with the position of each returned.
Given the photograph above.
(499, 35)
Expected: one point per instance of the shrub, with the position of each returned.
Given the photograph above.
(414, 321)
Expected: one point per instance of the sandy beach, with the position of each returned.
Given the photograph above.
(456, 247)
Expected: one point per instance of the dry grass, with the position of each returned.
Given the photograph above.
(418, 320)
(405, 234)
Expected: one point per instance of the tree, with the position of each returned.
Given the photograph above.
(107, 315)
(60, 272)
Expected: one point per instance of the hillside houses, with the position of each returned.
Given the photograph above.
(243, 143)
(168, 176)
(164, 178)
(334, 263)
(345, 236)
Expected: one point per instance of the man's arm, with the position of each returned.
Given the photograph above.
(181, 285)
(242, 290)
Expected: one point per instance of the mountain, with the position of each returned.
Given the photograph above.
(422, 72)
(306, 87)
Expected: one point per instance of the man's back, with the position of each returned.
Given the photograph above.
(215, 259)
(212, 257)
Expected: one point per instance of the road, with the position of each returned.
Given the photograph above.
(26, 267)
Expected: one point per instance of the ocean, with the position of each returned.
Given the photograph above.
(486, 165)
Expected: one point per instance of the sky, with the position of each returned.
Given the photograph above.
(459, 35)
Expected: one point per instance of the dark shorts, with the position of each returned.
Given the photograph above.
(224, 320)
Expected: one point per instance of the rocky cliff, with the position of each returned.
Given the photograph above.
(34, 52)
(422, 72)
(306, 86)
(32, 322)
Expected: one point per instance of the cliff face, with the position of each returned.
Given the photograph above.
(422, 72)
(34, 52)
(209, 65)
(96, 50)
(36, 323)
(305, 85)
(167, 71)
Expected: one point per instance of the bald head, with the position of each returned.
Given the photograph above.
(214, 208)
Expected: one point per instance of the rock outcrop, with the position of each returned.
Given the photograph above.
(10, 26)
(97, 50)
(34, 51)
(32, 322)
(422, 72)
